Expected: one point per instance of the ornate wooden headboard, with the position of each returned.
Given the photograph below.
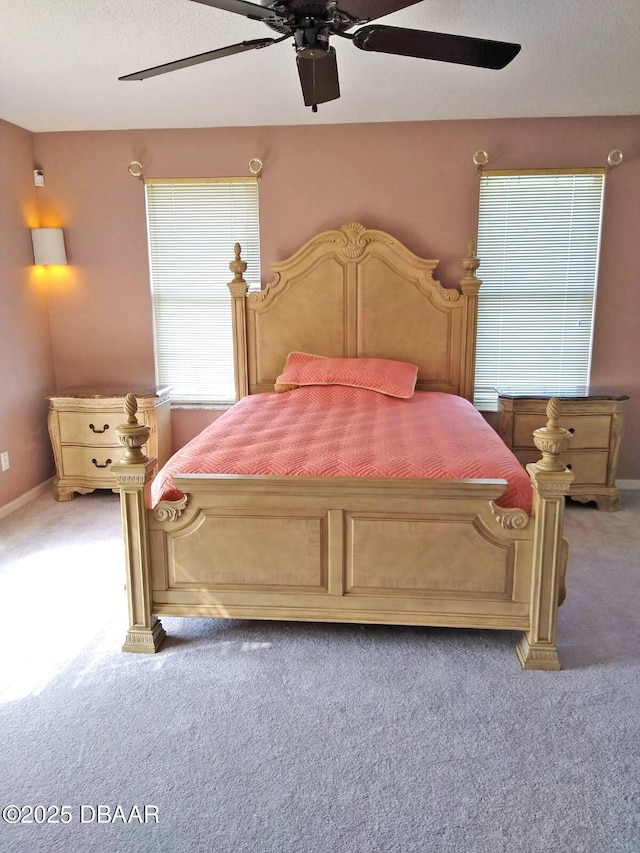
(355, 292)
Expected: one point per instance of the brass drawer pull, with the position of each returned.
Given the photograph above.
(95, 462)
(106, 427)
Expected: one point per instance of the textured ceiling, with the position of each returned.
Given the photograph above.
(60, 60)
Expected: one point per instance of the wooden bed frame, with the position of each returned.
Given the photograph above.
(389, 551)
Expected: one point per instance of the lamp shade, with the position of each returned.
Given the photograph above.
(48, 246)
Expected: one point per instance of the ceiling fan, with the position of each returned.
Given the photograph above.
(312, 24)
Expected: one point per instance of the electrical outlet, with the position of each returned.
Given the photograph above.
(4, 459)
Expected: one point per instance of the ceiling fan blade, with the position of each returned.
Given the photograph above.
(318, 78)
(200, 57)
(464, 50)
(240, 7)
(368, 10)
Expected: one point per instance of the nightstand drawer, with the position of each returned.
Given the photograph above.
(79, 461)
(91, 428)
(587, 467)
(587, 431)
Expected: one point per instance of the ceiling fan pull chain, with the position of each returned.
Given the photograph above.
(314, 106)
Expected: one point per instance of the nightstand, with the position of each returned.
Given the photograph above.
(594, 418)
(81, 427)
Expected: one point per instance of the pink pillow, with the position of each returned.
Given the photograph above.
(394, 378)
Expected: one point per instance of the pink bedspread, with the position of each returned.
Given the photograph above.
(335, 431)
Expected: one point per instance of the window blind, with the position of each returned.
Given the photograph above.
(192, 228)
(538, 243)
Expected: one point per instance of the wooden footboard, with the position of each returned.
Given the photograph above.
(404, 552)
(413, 552)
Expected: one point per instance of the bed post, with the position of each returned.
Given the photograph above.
(469, 285)
(133, 474)
(239, 288)
(551, 481)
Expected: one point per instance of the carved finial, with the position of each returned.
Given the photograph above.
(130, 408)
(553, 413)
(551, 440)
(237, 266)
(469, 284)
(132, 435)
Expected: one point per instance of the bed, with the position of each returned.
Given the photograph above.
(450, 546)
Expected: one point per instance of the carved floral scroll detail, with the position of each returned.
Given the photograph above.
(448, 293)
(351, 239)
(510, 519)
(260, 295)
(170, 510)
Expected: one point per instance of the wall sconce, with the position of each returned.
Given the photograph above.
(48, 246)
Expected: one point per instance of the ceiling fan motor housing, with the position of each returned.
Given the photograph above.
(312, 42)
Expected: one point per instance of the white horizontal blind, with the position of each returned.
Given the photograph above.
(538, 243)
(192, 228)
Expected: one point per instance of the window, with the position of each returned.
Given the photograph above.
(192, 227)
(538, 244)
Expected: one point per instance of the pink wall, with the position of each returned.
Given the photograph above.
(415, 180)
(26, 364)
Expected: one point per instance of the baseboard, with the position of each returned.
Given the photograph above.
(7, 509)
(628, 484)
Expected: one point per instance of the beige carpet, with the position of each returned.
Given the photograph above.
(250, 736)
